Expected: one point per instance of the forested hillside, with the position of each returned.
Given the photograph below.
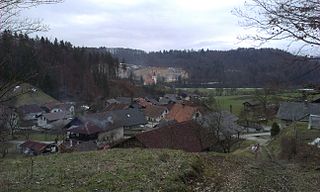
(57, 67)
(235, 68)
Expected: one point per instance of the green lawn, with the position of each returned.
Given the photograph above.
(235, 101)
(37, 136)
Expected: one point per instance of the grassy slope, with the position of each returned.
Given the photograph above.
(154, 170)
(299, 130)
(38, 97)
(114, 170)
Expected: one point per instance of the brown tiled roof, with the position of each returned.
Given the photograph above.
(142, 102)
(154, 111)
(182, 112)
(188, 136)
(34, 146)
(87, 128)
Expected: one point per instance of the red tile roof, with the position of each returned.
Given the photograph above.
(154, 111)
(182, 112)
(188, 136)
(87, 128)
(34, 146)
(142, 102)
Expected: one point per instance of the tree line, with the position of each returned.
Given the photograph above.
(57, 67)
(242, 67)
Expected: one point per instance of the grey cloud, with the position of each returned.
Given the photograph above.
(149, 25)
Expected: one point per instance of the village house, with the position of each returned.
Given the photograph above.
(251, 105)
(84, 132)
(150, 79)
(96, 126)
(54, 119)
(152, 100)
(37, 148)
(113, 125)
(142, 102)
(188, 96)
(296, 111)
(224, 122)
(30, 112)
(124, 100)
(166, 101)
(111, 101)
(170, 99)
(116, 106)
(53, 107)
(185, 112)
(154, 114)
(132, 120)
(314, 122)
(188, 136)
(74, 122)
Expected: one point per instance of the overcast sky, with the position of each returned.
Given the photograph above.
(150, 25)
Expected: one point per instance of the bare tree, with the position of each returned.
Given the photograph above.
(264, 98)
(220, 125)
(4, 131)
(297, 20)
(10, 15)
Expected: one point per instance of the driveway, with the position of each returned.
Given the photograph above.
(261, 138)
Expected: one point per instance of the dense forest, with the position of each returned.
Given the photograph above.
(234, 68)
(57, 67)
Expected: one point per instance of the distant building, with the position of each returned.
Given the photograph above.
(51, 120)
(314, 122)
(181, 112)
(297, 111)
(154, 114)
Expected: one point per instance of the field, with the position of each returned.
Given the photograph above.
(154, 170)
(37, 136)
(114, 170)
(235, 101)
(31, 97)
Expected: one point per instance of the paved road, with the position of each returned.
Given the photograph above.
(261, 138)
(17, 142)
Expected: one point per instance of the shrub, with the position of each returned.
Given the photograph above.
(275, 129)
(288, 148)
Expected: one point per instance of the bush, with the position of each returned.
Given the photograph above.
(288, 148)
(275, 129)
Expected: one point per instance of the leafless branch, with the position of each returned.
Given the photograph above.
(298, 20)
(10, 19)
